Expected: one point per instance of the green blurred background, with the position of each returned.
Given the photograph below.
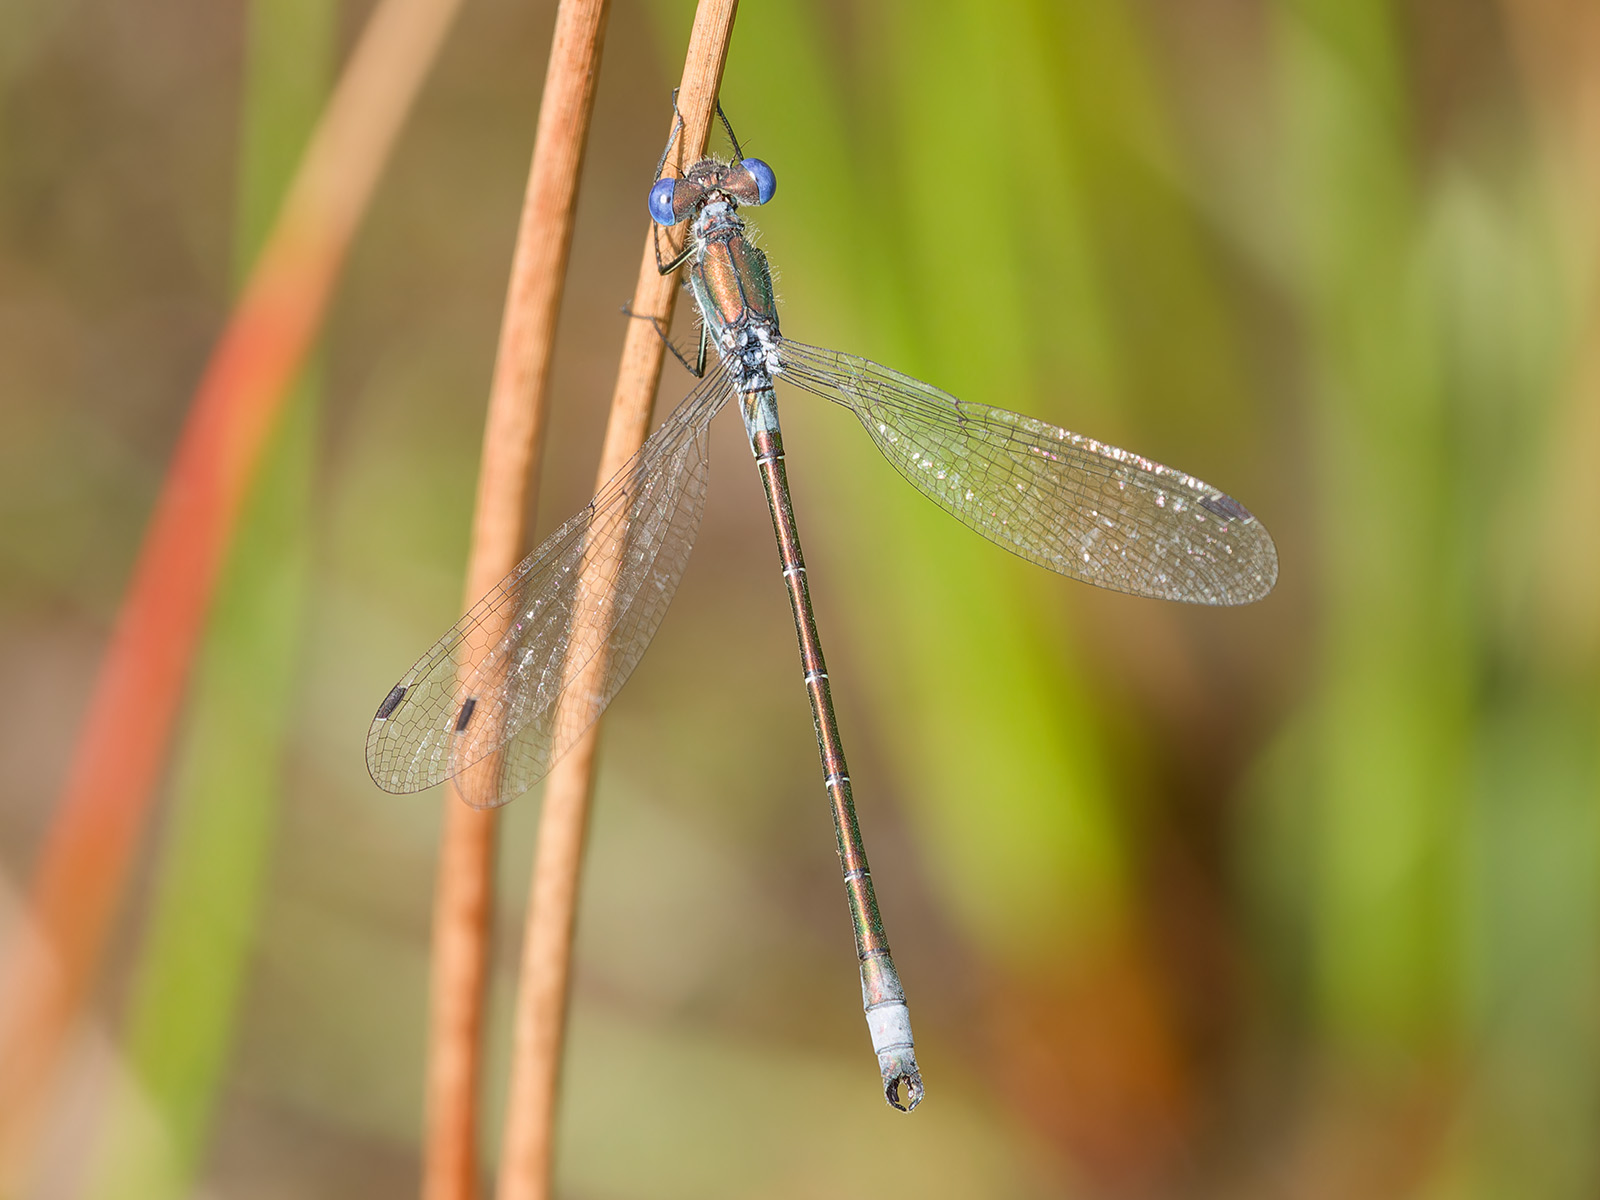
(1301, 900)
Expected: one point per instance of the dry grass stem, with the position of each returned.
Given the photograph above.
(89, 848)
(526, 1157)
(508, 476)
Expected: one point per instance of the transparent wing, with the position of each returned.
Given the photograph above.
(515, 682)
(1058, 499)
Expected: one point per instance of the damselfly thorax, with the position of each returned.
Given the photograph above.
(727, 275)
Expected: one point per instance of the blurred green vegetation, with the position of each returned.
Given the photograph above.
(1302, 899)
(211, 869)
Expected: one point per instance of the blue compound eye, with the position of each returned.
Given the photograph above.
(660, 202)
(766, 181)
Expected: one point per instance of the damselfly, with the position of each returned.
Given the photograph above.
(519, 678)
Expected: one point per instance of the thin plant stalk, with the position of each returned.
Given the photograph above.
(508, 476)
(527, 1148)
(105, 803)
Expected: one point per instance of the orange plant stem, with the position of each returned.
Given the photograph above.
(540, 1020)
(86, 854)
(508, 475)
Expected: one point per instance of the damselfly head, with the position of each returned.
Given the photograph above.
(743, 181)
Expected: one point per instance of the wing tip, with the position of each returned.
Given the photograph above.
(1260, 585)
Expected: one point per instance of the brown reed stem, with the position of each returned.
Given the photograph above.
(105, 803)
(513, 439)
(527, 1151)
